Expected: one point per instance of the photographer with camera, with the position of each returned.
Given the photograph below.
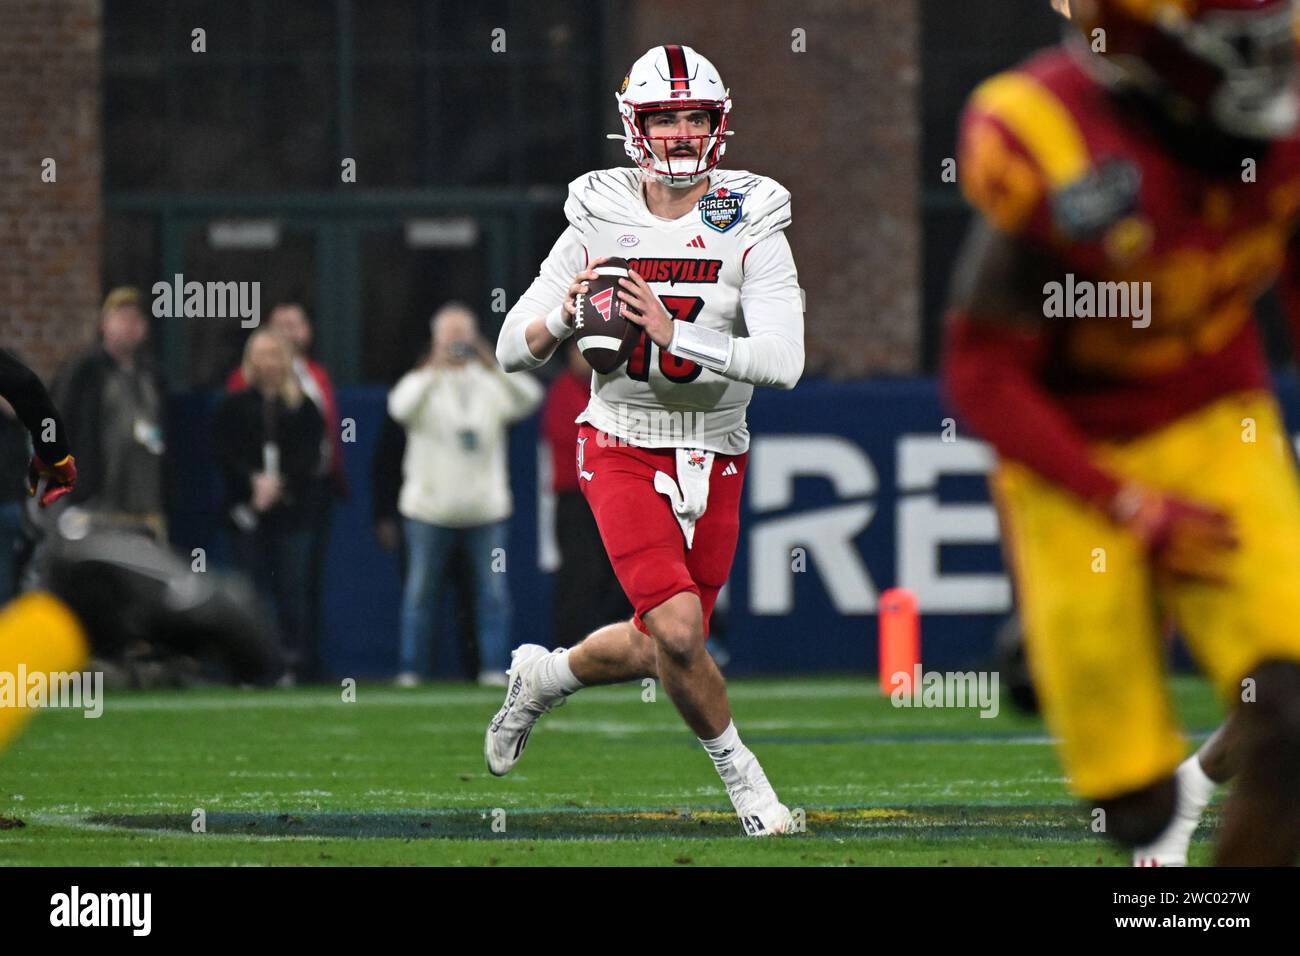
(456, 407)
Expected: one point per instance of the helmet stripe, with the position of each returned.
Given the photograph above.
(677, 69)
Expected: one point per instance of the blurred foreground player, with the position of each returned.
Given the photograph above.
(110, 588)
(662, 450)
(1147, 171)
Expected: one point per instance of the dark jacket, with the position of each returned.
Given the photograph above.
(21, 387)
(79, 393)
(386, 471)
(244, 423)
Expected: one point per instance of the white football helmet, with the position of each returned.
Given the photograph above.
(673, 77)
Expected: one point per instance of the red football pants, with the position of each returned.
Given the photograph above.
(641, 535)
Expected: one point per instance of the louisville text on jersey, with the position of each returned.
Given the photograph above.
(676, 270)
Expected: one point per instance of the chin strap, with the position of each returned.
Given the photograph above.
(677, 182)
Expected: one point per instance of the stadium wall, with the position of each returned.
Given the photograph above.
(851, 75)
(50, 215)
(872, 494)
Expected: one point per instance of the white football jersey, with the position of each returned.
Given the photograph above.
(725, 265)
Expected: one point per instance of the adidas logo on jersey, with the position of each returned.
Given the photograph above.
(696, 243)
(730, 469)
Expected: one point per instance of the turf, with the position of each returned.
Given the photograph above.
(397, 777)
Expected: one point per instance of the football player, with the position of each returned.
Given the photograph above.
(107, 589)
(663, 443)
(1144, 472)
(35, 630)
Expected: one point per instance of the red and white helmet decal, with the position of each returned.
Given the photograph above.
(671, 78)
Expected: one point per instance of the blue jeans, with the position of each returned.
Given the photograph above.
(427, 546)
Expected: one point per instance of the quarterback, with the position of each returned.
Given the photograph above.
(1144, 472)
(662, 444)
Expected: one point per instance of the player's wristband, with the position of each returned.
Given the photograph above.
(707, 347)
(556, 324)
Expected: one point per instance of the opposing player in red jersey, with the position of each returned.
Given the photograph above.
(1137, 189)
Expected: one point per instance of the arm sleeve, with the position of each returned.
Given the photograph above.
(991, 377)
(773, 306)
(772, 303)
(566, 259)
(21, 387)
(408, 395)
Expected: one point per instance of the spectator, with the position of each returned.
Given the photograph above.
(587, 595)
(290, 321)
(113, 401)
(385, 488)
(267, 443)
(455, 408)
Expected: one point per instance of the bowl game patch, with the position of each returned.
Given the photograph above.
(720, 209)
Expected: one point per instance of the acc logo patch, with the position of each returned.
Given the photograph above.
(720, 209)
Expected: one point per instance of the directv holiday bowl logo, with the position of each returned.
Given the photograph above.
(720, 209)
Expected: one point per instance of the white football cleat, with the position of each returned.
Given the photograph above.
(1171, 846)
(508, 733)
(761, 813)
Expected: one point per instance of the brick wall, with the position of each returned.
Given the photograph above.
(49, 232)
(839, 126)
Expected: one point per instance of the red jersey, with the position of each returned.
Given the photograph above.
(566, 399)
(1048, 155)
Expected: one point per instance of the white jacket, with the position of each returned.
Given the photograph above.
(456, 469)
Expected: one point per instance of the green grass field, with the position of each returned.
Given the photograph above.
(300, 777)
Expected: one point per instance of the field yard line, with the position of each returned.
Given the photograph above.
(128, 701)
(78, 823)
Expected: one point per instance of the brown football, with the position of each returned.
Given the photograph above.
(600, 328)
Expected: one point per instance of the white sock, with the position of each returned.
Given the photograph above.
(726, 751)
(556, 677)
(1195, 788)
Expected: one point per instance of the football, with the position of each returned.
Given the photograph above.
(601, 328)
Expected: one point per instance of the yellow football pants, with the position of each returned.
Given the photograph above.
(1094, 615)
(36, 630)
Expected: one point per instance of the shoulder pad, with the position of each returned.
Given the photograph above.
(765, 206)
(605, 195)
(1020, 148)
